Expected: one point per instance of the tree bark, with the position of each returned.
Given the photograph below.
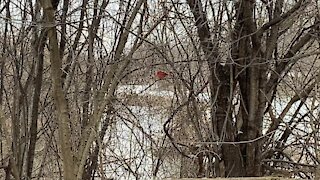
(251, 77)
(220, 95)
(69, 167)
(39, 50)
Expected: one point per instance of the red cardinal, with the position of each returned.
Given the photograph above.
(161, 74)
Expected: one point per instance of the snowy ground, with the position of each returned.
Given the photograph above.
(140, 129)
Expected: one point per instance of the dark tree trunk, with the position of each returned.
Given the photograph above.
(221, 97)
(250, 73)
(231, 155)
(244, 159)
(39, 49)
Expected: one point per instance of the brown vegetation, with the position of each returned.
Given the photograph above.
(81, 96)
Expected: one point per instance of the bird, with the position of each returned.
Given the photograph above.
(161, 74)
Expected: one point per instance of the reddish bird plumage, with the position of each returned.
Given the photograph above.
(161, 74)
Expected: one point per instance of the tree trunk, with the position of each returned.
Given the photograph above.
(250, 76)
(69, 167)
(221, 97)
(39, 50)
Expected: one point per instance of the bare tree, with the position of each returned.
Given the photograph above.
(81, 96)
(248, 74)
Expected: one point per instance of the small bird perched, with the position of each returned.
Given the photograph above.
(161, 74)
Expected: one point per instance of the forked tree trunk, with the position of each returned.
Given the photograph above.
(236, 160)
(249, 74)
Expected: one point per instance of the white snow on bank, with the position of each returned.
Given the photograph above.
(135, 136)
(132, 145)
(144, 90)
(155, 90)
